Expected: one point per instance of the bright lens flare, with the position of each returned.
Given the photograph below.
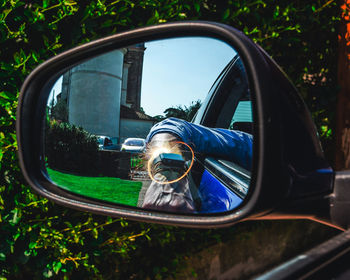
(161, 150)
(156, 152)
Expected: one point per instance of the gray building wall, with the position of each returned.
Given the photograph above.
(130, 128)
(95, 94)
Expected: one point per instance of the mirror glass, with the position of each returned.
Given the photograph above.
(163, 125)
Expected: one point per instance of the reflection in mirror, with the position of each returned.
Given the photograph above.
(163, 125)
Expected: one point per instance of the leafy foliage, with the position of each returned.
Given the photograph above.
(59, 110)
(39, 239)
(181, 112)
(185, 113)
(71, 148)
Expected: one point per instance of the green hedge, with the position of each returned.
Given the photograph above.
(71, 148)
(39, 239)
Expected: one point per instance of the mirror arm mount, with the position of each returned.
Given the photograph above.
(314, 208)
(340, 200)
(329, 209)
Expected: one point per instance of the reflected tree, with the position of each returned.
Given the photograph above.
(59, 110)
(183, 112)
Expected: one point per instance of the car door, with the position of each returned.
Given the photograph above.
(229, 180)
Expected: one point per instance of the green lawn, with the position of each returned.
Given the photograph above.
(105, 188)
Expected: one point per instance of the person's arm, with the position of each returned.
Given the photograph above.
(227, 144)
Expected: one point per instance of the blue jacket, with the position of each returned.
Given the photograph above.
(222, 143)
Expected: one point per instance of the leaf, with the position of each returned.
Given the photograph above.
(123, 223)
(156, 15)
(48, 273)
(197, 7)
(226, 14)
(5, 95)
(95, 233)
(34, 57)
(27, 253)
(32, 245)
(46, 3)
(16, 216)
(2, 257)
(56, 266)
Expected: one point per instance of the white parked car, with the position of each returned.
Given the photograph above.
(133, 145)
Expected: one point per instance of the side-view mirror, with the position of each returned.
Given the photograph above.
(187, 124)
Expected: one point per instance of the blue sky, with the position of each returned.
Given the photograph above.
(179, 71)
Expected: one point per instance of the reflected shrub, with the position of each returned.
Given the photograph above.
(71, 148)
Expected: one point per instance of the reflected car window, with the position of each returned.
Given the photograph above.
(134, 143)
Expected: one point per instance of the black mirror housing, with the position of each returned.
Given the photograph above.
(288, 167)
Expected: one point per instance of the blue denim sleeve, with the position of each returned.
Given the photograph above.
(223, 143)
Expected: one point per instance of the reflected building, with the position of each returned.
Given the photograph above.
(133, 64)
(103, 94)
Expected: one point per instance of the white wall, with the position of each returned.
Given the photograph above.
(95, 93)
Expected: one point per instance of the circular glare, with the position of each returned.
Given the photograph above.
(155, 154)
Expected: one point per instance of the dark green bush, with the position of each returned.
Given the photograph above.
(71, 148)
